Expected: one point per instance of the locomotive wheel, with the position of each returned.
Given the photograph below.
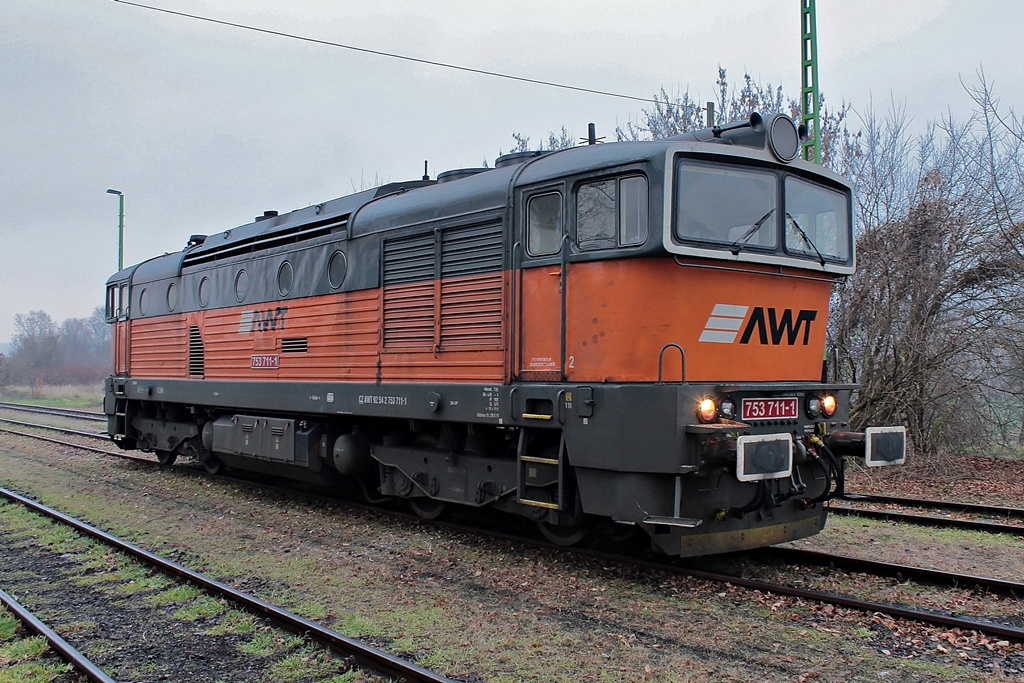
(427, 508)
(563, 535)
(166, 458)
(213, 465)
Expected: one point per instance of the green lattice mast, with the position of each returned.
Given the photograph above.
(809, 54)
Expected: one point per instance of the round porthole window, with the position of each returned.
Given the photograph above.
(241, 285)
(284, 278)
(143, 303)
(337, 269)
(204, 292)
(172, 296)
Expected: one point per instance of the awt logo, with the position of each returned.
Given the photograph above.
(262, 321)
(764, 325)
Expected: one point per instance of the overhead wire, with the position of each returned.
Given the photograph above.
(382, 53)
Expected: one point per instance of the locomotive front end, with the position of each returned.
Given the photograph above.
(770, 433)
(711, 359)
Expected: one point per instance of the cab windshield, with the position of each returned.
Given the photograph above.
(721, 206)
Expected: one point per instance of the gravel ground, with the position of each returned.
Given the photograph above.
(482, 610)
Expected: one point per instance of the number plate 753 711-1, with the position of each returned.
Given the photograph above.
(769, 409)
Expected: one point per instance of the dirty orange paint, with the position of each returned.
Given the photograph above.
(622, 313)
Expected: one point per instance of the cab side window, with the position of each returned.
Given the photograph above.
(111, 303)
(595, 215)
(632, 210)
(611, 213)
(544, 224)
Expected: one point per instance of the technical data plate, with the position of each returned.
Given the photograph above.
(764, 456)
(769, 409)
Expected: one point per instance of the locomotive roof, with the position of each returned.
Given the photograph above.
(395, 204)
(454, 194)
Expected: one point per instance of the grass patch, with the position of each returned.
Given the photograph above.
(310, 663)
(897, 534)
(203, 608)
(313, 610)
(24, 523)
(87, 396)
(33, 671)
(234, 622)
(355, 625)
(22, 649)
(144, 584)
(267, 642)
(176, 595)
(8, 625)
(439, 659)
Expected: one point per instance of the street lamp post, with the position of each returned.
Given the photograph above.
(120, 228)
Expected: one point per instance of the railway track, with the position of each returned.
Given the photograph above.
(82, 663)
(867, 606)
(45, 410)
(904, 572)
(953, 506)
(61, 442)
(365, 655)
(676, 567)
(901, 572)
(62, 430)
(935, 520)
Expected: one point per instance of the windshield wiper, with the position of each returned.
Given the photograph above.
(806, 239)
(738, 244)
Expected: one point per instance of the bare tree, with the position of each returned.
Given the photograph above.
(556, 141)
(674, 115)
(85, 342)
(76, 352)
(928, 326)
(35, 344)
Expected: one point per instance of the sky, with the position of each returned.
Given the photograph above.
(205, 126)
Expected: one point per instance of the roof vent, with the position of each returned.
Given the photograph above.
(266, 215)
(515, 158)
(458, 173)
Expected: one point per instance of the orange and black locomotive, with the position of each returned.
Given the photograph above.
(615, 336)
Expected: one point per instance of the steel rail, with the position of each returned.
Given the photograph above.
(869, 606)
(62, 430)
(40, 437)
(928, 520)
(77, 659)
(65, 412)
(978, 508)
(904, 571)
(366, 655)
(817, 596)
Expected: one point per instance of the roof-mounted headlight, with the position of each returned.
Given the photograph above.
(783, 137)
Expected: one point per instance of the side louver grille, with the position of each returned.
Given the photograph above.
(196, 354)
(294, 345)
